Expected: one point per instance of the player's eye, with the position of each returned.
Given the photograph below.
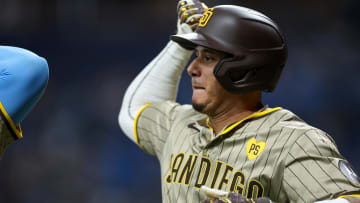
(208, 58)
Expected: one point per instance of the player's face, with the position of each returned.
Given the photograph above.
(208, 94)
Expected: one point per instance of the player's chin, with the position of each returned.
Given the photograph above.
(198, 107)
(199, 100)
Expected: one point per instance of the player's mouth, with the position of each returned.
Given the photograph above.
(197, 87)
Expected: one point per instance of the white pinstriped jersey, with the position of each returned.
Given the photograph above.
(271, 153)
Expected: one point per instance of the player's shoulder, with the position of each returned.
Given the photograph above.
(15, 51)
(299, 128)
(176, 111)
(18, 56)
(288, 119)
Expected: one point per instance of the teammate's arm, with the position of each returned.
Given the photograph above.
(158, 81)
(23, 79)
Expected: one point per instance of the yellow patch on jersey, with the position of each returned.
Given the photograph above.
(206, 17)
(254, 149)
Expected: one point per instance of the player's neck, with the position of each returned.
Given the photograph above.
(234, 111)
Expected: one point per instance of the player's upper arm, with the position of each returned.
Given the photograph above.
(154, 124)
(315, 170)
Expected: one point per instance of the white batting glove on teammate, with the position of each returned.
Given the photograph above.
(218, 196)
(189, 15)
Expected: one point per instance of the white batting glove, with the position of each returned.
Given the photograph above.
(189, 15)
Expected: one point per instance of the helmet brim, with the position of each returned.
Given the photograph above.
(190, 41)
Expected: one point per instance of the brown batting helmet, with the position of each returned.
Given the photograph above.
(256, 49)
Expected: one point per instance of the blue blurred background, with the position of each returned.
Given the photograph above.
(73, 150)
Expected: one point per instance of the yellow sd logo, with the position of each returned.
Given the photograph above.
(206, 17)
(254, 149)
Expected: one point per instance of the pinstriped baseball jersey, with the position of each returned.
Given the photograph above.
(271, 153)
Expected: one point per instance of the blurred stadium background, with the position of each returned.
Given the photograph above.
(73, 150)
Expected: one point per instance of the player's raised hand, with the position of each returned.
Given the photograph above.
(218, 196)
(189, 15)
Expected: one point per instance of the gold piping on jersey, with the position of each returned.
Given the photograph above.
(254, 148)
(208, 124)
(135, 122)
(16, 129)
(353, 195)
(254, 115)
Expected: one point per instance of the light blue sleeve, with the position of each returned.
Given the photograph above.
(23, 79)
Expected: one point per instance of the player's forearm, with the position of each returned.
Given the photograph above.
(157, 82)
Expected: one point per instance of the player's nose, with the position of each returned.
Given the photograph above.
(193, 69)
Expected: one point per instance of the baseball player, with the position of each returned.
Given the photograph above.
(23, 79)
(227, 146)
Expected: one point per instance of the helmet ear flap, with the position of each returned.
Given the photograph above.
(237, 77)
(230, 73)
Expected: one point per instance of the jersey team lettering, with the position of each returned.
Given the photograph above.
(182, 171)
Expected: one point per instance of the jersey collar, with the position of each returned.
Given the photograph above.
(262, 112)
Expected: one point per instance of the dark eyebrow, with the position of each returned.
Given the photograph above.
(208, 50)
(211, 51)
